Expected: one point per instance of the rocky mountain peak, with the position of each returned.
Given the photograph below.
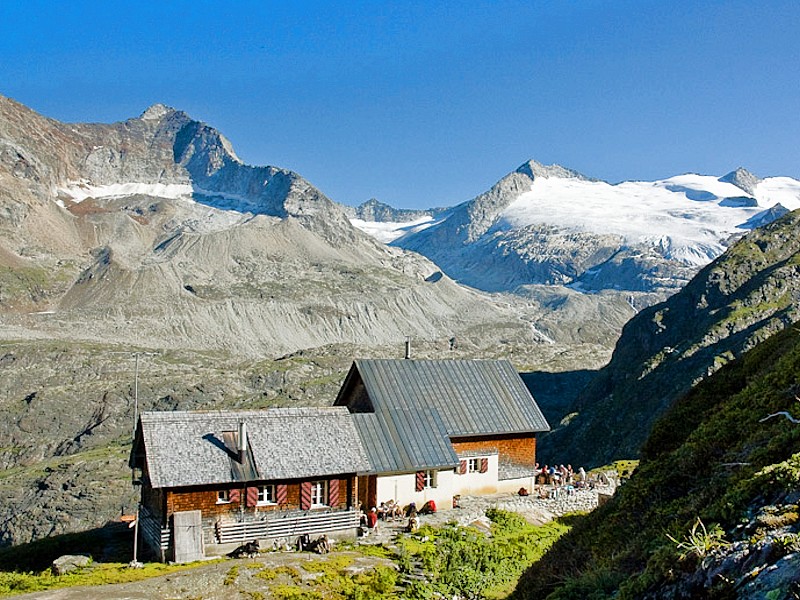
(743, 179)
(375, 210)
(156, 112)
(534, 169)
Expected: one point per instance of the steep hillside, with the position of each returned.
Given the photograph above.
(712, 510)
(742, 298)
(551, 225)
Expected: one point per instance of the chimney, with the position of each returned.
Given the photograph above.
(242, 447)
(408, 347)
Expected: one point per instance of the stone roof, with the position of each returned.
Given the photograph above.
(190, 448)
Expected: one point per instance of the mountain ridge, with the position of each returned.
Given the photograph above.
(552, 225)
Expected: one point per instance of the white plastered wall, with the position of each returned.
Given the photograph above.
(401, 489)
(514, 485)
(479, 484)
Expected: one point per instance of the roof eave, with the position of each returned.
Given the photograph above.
(410, 470)
(496, 433)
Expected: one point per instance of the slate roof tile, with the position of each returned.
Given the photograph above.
(186, 448)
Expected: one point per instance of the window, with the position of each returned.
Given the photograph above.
(223, 496)
(319, 493)
(474, 465)
(267, 494)
(430, 479)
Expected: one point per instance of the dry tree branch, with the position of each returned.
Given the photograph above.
(783, 413)
(778, 414)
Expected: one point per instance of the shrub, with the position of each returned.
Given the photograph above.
(700, 541)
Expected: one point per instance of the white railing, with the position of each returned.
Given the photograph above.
(285, 525)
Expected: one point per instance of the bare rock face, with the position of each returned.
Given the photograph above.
(742, 178)
(376, 211)
(252, 259)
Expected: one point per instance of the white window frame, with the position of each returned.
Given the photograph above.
(474, 465)
(267, 494)
(319, 493)
(430, 479)
(223, 497)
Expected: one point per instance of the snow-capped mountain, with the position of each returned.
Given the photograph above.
(551, 225)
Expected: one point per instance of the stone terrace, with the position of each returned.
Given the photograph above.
(473, 510)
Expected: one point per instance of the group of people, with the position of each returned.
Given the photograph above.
(555, 480)
(560, 475)
(391, 511)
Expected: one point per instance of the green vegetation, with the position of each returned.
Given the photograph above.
(623, 468)
(711, 459)
(331, 581)
(700, 542)
(232, 576)
(12, 583)
(466, 562)
(448, 560)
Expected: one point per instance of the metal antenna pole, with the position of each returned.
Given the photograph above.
(136, 396)
(135, 562)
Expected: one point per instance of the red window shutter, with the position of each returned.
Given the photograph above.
(281, 493)
(462, 467)
(252, 496)
(235, 495)
(305, 495)
(420, 481)
(484, 465)
(333, 492)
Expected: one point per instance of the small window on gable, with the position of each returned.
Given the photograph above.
(223, 496)
(267, 494)
(474, 465)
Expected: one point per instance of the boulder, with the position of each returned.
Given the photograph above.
(69, 563)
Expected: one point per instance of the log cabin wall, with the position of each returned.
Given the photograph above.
(512, 449)
(206, 499)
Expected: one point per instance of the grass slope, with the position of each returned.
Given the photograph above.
(709, 457)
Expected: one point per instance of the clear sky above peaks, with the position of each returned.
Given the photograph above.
(430, 103)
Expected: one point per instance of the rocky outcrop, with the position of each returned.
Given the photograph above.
(375, 211)
(742, 178)
(69, 563)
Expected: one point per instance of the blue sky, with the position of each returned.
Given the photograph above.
(430, 103)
